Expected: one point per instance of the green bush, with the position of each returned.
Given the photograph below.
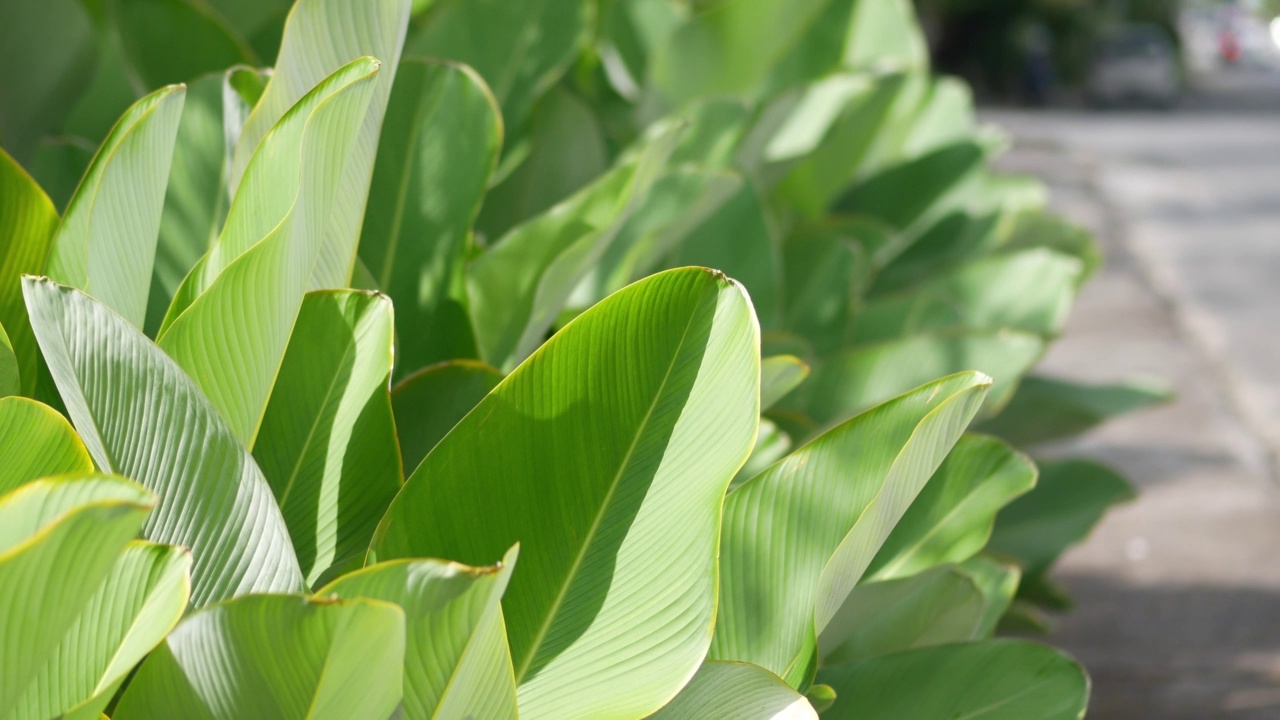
(453, 241)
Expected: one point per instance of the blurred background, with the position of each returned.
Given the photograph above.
(1157, 124)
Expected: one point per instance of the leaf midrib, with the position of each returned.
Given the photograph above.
(589, 538)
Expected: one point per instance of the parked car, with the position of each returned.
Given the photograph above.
(1135, 64)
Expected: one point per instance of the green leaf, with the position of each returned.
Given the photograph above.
(106, 244)
(320, 38)
(645, 406)
(736, 691)
(195, 203)
(141, 417)
(858, 378)
(328, 440)
(274, 656)
(1040, 229)
(439, 147)
(140, 601)
(911, 195)
(10, 384)
(230, 321)
(940, 605)
(48, 49)
(1031, 291)
(430, 402)
(998, 583)
(27, 222)
(990, 680)
(172, 41)
(456, 659)
(518, 287)
(799, 536)
(520, 49)
(564, 150)
(824, 270)
(1047, 409)
(59, 538)
(1070, 498)
(772, 442)
(36, 442)
(738, 240)
(886, 33)
(779, 375)
(951, 518)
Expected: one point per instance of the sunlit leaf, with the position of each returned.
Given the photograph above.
(36, 442)
(27, 222)
(736, 691)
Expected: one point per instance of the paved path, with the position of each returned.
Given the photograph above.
(1178, 593)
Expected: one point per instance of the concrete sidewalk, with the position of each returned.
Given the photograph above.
(1178, 593)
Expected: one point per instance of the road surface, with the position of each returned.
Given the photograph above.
(1178, 593)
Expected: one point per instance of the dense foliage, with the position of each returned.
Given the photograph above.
(392, 381)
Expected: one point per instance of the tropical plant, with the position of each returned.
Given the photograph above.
(271, 295)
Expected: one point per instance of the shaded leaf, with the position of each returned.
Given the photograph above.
(779, 375)
(951, 519)
(998, 583)
(1047, 409)
(736, 691)
(430, 402)
(799, 536)
(439, 146)
(27, 222)
(172, 41)
(645, 405)
(456, 659)
(328, 439)
(990, 680)
(274, 656)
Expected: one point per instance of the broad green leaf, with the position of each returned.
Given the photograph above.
(430, 402)
(231, 337)
(959, 236)
(456, 659)
(59, 538)
(645, 406)
(106, 244)
(520, 49)
(1030, 291)
(27, 222)
(738, 240)
(140, 601)
(517, 288)
(564, 150)
(678, 204)
(831, 151)
(858, 378)
(779, 375)
(772, 442)
(47, 48)
(736, 691)
(990, 680)
(951, 518)
(36, 442)
(142, 417)
(885, 32)
(824, 270)
(731, 48)
(1041, 229)
(940, 605)
(439, 147)
(320, 38)
(946, 116)
(274, 656)
(998, 583)
(259, 22)
(1047, 409)
(328, 440)
(10, 384)
(172, 41)
(799, 536)
(1069, 499)
(911, 195)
